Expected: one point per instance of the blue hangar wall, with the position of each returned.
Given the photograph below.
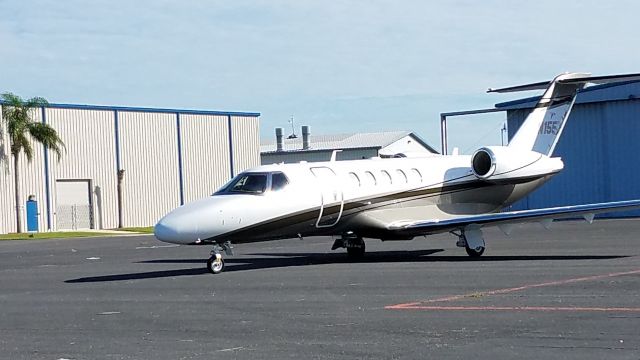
(600, 148)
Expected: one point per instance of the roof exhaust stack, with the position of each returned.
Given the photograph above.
(279, 139)
(305, 137)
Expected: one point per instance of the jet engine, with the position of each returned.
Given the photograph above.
(493, 163)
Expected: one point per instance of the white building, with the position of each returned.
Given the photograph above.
(312, 148)
(166, 157)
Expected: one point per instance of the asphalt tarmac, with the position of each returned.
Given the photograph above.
(569, 293)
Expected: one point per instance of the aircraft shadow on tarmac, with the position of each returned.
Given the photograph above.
(283, 260)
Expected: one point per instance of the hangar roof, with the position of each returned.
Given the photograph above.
(342, 141)
(151, 110)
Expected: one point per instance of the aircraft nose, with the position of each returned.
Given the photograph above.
(171, 229)
(163, 232)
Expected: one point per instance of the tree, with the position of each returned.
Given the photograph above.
(22, 130)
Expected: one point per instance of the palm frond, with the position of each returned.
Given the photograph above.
(47, 136)
(21, 143)
(11, 99)
(35, 102)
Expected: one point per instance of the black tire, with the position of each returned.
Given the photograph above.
(474, 253)
(213, 267)
(356, 252)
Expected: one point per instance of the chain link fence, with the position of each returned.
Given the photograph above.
(73, 217)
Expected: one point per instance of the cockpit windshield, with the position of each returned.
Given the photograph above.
(250, 183)
(254, 183)
(278, 181)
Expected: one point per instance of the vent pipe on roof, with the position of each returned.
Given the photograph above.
(305, 137)
(279, 139)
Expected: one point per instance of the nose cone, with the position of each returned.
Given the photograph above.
(199, 220)
(165, 232)
(176, 228)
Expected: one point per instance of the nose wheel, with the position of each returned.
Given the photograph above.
(215, 264)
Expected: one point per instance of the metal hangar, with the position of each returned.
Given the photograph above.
(125, 166)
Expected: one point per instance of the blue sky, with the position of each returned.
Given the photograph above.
(338, 66)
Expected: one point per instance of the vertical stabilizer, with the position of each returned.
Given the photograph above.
(542, 128)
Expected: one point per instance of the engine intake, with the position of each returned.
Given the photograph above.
(494, 163)
(483, 164)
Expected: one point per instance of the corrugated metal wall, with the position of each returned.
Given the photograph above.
(245, 140)
(149, 156)
(289, 157)
(160, 170)
(599, 146)
(89, 137)
(206, 162)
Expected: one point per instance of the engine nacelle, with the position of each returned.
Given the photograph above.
(494, 163)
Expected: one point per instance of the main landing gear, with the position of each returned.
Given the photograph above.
(353, 243)
(215, 264)
(471, 239)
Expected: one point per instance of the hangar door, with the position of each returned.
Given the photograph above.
(73, 205)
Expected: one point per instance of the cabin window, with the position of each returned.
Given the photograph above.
(386, 178)
(355, 180)
(278, 181)
(249, 184)
(371, 179)
(402, 176)
(416, 176)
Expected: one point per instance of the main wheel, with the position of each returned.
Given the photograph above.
(215, 265)
(356, 252)
(474, 253)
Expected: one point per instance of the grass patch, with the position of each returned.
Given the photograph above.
(49, 235)
(142, 230)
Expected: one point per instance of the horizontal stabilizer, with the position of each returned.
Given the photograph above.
(607, 79)
(578, 80)
(527, 87)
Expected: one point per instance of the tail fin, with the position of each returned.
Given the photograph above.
(541, 130)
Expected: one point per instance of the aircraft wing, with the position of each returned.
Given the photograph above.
(588, 211)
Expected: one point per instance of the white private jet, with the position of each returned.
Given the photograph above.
(395, 198)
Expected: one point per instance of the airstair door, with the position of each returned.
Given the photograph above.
(331, 198)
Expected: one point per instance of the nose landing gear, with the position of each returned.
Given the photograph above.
(215, 264)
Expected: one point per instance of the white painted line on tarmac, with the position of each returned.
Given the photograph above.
(231, 349)
(109, 313)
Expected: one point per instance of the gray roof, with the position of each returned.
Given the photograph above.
(341, 141)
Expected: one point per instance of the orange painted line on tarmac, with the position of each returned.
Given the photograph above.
(509, 308)
(417, 305)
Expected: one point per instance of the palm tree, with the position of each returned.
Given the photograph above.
(17, 115)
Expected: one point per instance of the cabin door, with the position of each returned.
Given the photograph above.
(331, 197)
